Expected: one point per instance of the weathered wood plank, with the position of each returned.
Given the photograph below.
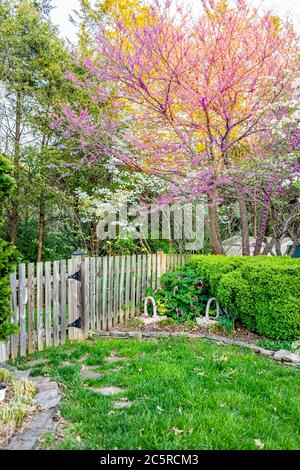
(144, 277)
(93, 293)
(98, 294)
(133, 285)
(63, 302)
(138, 280)
(56, 306)
(104, 322)
(122, 290)
(48, 304)
(116, 291)
(14, 339)
(154, 271)
(31, 299)
(127, 287)
(110, 291)
(85, 296)
(39, 306)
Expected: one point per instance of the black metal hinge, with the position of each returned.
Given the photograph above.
(76, 276)
(75, 324)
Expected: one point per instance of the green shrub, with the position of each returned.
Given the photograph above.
(183, 295)
(7, 256)
(262, 292)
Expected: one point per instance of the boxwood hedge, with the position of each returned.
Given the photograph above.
(262, 292)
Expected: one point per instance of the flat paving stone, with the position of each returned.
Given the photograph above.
(90, 374)
(122, 403)
(116, 369)
(66, 364)
(109, 391)
(112, 359)
(48, 399)
(36, 362)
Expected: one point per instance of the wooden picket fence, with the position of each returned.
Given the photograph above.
(103, 292)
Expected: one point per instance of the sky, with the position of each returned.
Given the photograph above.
(63, 9)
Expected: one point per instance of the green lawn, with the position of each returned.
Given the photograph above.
(185, 394)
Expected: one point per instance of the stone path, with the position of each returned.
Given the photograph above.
(45, 420)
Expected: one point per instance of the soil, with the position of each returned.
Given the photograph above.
(240, 333)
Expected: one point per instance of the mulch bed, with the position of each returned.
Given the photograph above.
(240, 333)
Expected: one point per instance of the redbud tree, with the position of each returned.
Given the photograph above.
(184, 92)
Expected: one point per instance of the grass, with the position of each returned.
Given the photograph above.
(186, 395)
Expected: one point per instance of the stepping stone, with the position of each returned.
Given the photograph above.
(36, 362)
(84, 357)
(112, 359)
(90, 374)
(122, 403)
(66, 364)
(48, 399)
(116, 369)
(109, 391)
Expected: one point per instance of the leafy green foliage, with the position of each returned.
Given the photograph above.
(275, 345)
(7, 256)
(183, 295)
(262, 292)
(6, 180)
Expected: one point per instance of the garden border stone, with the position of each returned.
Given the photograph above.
(282, 356)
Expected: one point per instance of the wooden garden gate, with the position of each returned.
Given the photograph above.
(92, 293)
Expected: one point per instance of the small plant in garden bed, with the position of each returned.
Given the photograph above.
(183, 295)
(17, 404)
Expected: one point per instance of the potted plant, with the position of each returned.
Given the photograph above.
(3, 350)
(3, 388)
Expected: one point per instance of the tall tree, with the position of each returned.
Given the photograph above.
(201, 87)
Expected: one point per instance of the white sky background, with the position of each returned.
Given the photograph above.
(63, 9)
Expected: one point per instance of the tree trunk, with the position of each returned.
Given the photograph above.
(214, 228)
(14, 216)
(262, 231)
(41, 231)
(244, 225)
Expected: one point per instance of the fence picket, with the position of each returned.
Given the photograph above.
(56, 306)
(14, 340)
(63, 302)
(116, 290)
(138, 279)
(31, 299)
(93, 293)
(122, 289)
(39, 306)
(22, 309)
(110, 291)
(104, 294)
(127, 287)
(98, 275)
(133, 283)
(48, 302)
